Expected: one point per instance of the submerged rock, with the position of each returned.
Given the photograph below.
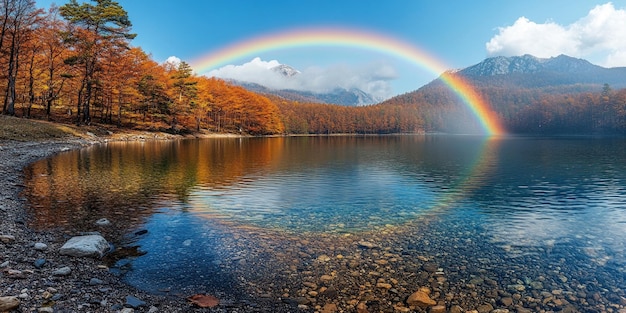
(134, 302)
(420, 298)
(85, 246)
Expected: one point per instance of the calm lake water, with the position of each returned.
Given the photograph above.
(539, 220)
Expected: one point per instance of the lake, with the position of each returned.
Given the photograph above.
(523, 223)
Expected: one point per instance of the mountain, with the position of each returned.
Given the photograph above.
(338, 95)
(285, 70)
(532, 72)
(558, 95)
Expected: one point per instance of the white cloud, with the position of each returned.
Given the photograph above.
(597, 37)
(372, 78)
(173, 60)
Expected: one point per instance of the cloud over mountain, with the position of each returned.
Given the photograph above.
(373, 78)
(598, 37)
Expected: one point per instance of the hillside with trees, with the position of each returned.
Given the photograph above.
(76, 64)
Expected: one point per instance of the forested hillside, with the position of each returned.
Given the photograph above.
(76, 64)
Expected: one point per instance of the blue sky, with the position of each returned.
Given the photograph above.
(460, 33)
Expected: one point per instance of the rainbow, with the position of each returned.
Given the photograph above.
(302, 38)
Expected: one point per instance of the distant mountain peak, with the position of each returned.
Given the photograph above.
(285, 70)
(528, 64)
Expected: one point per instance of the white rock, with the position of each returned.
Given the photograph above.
(41, 246)
(82, 246)
(103, 222)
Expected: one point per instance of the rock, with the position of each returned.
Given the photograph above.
(39, 263)
(7, 238)
(501, 311)
(484, 308)
(323, 258)
(456, 309)
(8, 303)
(506, 301)
(85, 246)
(40, 246)
(95, 281)
(103, 222)
(421, 299)
(310, 285)
(45, 309)
(383, 286)
(367, 244)
(134, 302)
(204, 301)
(326, 278)
(63, 271)
(430, 267)
(329, 308)
(438, 309)
(127, 310)
(5, 264)
(361, 307)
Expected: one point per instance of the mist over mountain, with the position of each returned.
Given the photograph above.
(338, 95)
(346, 85)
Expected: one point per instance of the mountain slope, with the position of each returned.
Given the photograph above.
(532, 72)
(531, 95)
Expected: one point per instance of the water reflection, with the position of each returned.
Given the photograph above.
(223, 212)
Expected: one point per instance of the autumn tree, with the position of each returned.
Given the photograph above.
(54, 71)
(93, 28)
(18, 23)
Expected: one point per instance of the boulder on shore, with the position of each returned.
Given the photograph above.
(85, 246)
(8, 303)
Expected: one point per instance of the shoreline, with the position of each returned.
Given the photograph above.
(375, 271)
(90, 286)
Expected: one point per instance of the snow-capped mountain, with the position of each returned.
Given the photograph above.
(338, 95)
(530, 71)
(285, 70)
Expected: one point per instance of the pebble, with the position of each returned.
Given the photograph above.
(95, 281)
(329, 308)
(103, 222)
(367, 244)
(134, 302)
(40, 246)
(4, 264)
(46, 309)
(7, 238)
(39, 263)
(326, 278)
(63, 271)
(438, 309)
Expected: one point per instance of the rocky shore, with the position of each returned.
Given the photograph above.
(389, 269)
(34, 276)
